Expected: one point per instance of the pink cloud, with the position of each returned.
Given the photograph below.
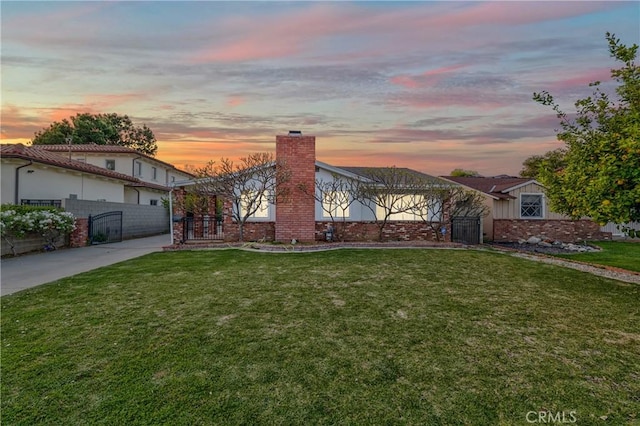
(482, 101)
(581, 80)
(300, 30)
(234, 101)
(426, 79)
(35, 27)
(516, 13)
(105, 102)
(19, 124)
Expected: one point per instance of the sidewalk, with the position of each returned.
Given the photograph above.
(30, 270)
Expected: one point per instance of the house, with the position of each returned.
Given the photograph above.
(518, 209)
(84, 172)
(153, 176)
(304, 216)
(91, 181)
(31, 175)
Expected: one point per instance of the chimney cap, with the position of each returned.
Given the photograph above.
(295, 133)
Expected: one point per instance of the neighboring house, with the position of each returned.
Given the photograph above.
(118, 188)
(518, 209)
(31, 175)
(300, 216)
(153, 177)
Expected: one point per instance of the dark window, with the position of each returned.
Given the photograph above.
(531, 206)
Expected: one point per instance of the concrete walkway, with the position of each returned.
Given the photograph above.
(30, 270)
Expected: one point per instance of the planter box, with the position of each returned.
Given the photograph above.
(31, 242)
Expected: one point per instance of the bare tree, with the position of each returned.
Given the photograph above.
(391, 191)
(430, 206)
(441, 199)
(251, 185)
(335, 197)
(466, 202)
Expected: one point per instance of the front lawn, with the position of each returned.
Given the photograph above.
(621, 254)
(358, 337)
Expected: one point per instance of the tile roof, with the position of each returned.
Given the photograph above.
(498, 186)
(90, 147)
(42, 156)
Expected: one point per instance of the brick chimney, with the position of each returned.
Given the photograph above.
(295, 215)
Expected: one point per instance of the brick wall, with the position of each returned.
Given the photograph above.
(353, 231)
(80, 235)
(253, 231)
(369, 231)
(511, 230)
(295, 213)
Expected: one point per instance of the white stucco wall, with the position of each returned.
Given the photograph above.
(52, 183)
(145, 196)
(357, 211)
(124, 163)
(8, 180)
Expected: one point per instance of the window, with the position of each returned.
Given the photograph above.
(531, 206)
(401, 203)
(249, 201)
(154, 173)
(82, 160)
(138, 169)
(110, 164)
(153, 202)
(335, 204)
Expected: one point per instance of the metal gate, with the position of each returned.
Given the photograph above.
(105, 228)
(465, 230)
(202, 228)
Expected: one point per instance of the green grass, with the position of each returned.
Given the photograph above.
(353, 337)
(621, 254)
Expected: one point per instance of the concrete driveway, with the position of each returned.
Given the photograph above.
(30, 270)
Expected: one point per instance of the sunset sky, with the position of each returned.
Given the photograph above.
(427, 85)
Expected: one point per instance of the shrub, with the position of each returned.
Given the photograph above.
(49, 223)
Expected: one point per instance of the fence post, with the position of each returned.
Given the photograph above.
(80, 236)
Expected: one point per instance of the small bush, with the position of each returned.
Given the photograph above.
(48, 222)
(22, 209)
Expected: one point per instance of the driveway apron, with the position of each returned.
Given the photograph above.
(30, 270)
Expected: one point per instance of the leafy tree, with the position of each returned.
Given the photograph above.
(601, 178)
(100, 129)
(253, 183)
(464, 173)
(553, 160)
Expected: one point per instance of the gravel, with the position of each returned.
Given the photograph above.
(541, 254)
(534, 248)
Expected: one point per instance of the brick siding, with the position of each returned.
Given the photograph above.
(512, 230)
(80, 236)
(295, 213)
(253, 231)
(369, 231)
